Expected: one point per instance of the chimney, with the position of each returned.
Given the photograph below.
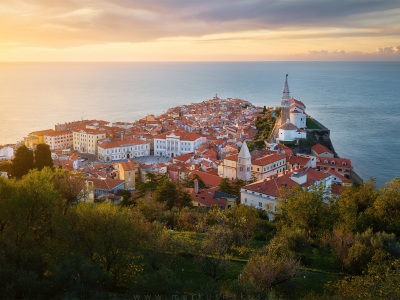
(196, 186)
(122, 136)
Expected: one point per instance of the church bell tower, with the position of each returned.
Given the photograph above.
(285, 102)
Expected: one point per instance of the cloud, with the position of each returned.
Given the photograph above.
(71, 23)
(389, 50)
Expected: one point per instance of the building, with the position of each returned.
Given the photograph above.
(105, 186)
(293, 117)
(117, 150)
(268, 165)
(340, 165)
(130, 173)
(85, 140)
(58, 140)
(243, 166)
(6, 152)
(263, 194)
(176, 143)
(36, 137)
(321, 150)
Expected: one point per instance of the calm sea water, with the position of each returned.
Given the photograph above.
(357, 101)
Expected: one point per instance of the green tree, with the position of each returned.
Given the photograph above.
(214, 257)
(307, 211)
(173, 194)
(380, 281)
(70, 186)
(266, 270)
(22, 162)
(387, 206)
(43, 157)
(225, 186)
(108, 235)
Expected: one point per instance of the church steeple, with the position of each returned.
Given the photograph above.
(285, 102)
(244, 163)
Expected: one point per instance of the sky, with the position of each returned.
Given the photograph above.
(199, 30)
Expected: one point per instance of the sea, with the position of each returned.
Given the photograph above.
(358, 101)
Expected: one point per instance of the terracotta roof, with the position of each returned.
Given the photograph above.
(59, 132)
(298, 160)
(129, 165)
(106, 183)
(319, 148)
(268, 159)
(208, 178)
(42, 132)
(338, 162)
(116, 144)
(206, 198)
(270, 186)
(288, 126)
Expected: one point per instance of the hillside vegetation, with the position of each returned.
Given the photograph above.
(53, 246)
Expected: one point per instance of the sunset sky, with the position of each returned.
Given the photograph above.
(200, 30)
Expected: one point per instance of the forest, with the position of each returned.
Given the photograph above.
(52, 245)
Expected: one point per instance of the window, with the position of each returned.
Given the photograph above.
(245, 200)
(260, 204)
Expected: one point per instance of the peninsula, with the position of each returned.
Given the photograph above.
(214, 139)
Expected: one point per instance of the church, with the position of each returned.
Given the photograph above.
(245, 166)
(293, 117)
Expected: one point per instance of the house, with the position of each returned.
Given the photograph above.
(36, 137)
(6, 152)
(263, 194)
(340, 165)
(321, 150)
(129, 172)
(212, 197)
(102, 186)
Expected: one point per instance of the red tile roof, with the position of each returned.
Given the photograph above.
(319, 148)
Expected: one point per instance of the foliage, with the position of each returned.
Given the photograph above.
(266, 270)
(386, 207)
(70, 186)
(305, 210)
(381, 281)
(43, 158)
(173, 194)
(22, 162)
(188, 182)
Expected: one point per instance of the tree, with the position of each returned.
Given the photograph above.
(106, 234)
(43, 157)
(306, 210)
(214, 258)
(173, 194)
(264, 271)
(387, 206)
(22, 162)
(225, 186)
(380, 281)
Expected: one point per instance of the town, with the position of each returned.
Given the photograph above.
(209, 141)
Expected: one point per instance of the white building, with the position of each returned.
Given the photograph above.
(173, 144)
(6, 152)
(289, 132)
(263, 194)
(297, 113)
(118, 150)
(58, 140)
(85, 140)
